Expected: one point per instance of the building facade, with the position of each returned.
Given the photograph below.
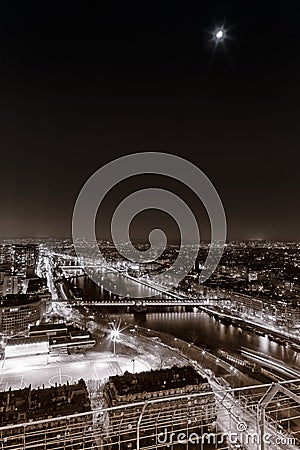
(36, 418)
(160, 403)
(17, 312)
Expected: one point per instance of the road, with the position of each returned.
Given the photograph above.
(271, 363)
(44, 269)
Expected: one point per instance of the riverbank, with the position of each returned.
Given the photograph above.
(258, 324)
(201, 359)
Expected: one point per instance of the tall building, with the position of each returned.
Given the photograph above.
(24, 259)
(32, 252)
(10, 285)
(19, 311)
(179, 412)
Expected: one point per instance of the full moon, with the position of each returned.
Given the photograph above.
(219, 35)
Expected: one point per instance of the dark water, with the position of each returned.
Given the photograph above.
(199, 328)
(93, 292)
(205, 331)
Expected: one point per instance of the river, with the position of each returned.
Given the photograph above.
(199, 328)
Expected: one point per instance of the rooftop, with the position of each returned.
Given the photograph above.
(43, 403)
(17, 299)
(156, 380)
(48, 327)
(26, 340)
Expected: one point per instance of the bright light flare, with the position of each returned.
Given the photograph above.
(114, 334)
(115, 331)
(219, 34)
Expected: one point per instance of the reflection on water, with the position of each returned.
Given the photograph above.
(113, 279)
(203, 330)
(195, 327)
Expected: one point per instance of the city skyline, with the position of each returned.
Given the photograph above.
(97, 365)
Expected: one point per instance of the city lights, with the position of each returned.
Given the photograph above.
(229, 304)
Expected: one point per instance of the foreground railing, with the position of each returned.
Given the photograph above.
(254, 417)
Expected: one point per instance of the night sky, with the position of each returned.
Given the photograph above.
(81, 85)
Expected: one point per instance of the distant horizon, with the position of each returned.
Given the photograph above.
(137, 240)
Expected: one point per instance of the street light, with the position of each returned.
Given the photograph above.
(114, 335)
(133, 366)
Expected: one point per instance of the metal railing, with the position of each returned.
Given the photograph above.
(248, 417)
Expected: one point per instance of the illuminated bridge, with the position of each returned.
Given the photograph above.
(73, 271)
(263, 417)
(147, 302)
